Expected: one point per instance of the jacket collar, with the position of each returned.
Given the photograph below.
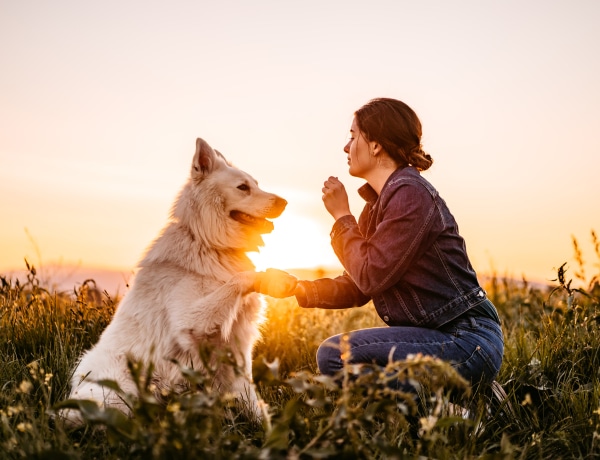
(369, 194)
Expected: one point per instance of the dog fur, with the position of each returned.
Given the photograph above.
(194, 287)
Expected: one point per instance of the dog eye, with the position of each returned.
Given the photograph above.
(243, 187)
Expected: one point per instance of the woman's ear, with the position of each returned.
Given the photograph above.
(375, 148)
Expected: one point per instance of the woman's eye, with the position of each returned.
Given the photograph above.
(243, 187)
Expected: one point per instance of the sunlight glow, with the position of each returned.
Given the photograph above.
(296, 242)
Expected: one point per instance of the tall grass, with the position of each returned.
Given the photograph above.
(550, 376)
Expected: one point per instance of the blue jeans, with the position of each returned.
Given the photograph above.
(473, 346)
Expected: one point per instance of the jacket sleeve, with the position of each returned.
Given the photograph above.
(331, 293)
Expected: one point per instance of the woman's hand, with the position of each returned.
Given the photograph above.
(275, 283)
(335, 198)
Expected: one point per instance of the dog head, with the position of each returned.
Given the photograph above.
(223, 205)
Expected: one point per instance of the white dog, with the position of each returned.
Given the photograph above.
(195, 286)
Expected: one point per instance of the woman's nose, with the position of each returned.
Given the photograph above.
(347, 147)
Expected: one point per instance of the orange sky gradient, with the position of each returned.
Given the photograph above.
(101, 103)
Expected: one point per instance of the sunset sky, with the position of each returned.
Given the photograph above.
(101, 103)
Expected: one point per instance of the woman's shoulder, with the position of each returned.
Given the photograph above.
(408, 180)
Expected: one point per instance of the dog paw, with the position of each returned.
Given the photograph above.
(275, 283)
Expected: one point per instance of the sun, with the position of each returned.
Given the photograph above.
(296, 242)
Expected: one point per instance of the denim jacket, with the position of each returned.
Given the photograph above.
(404, 253)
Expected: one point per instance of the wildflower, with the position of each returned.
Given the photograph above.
(25, 387)
(24, 426)
(427, 424)
(33, 369)
(174, 407)
(47, 378)
(14, 410)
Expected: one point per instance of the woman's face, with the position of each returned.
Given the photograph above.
(360, 160)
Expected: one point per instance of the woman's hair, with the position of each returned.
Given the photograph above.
(396, 127)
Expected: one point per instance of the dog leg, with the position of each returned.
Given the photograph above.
(84, 386)
(215, 312)
(102, 396)
(246, 393)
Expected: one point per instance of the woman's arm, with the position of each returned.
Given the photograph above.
(333, 293)
(330, 293)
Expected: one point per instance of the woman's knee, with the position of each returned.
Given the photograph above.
(329, 357)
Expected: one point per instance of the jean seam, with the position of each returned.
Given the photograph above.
(405, 342)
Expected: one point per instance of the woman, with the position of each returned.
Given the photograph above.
(404, 253)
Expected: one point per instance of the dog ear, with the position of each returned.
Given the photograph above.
(204, 159)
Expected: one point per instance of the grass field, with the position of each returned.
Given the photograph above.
(550, 375)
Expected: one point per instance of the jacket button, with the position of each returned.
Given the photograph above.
(386, 318)
(481, 294)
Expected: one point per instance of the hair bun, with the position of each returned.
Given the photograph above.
(420, 159)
